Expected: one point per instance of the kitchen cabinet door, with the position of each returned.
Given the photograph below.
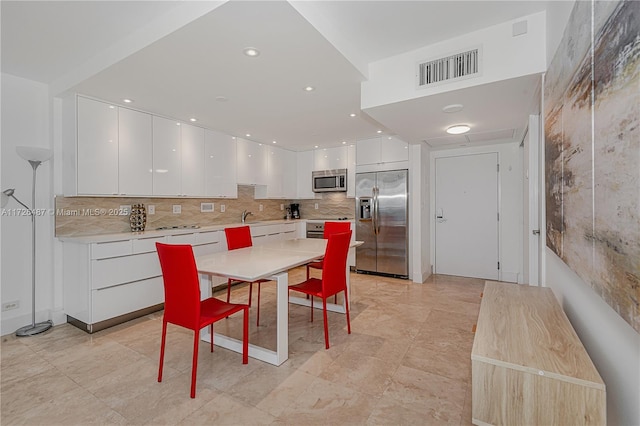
(393, 149)
(220, 165)
(289, 174)
(330, 158)
(304, 166)
(368, 151)
(135, 150)
(166, 157)
(275, 167)
(97, 148)
(192, 160)
(252, 162)
(351, 171)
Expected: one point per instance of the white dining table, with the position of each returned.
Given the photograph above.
(270, 261)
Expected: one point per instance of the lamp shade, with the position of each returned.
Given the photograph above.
(32, 153)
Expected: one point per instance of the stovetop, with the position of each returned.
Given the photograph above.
(163, 228)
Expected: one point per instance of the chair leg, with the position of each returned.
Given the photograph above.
(258, 314)
(194, 365)
(228, 289)
(211, 336)
(326, 326)
(245, 337)
(346, 310)
(164, 338)
(307, 275)
(311, 308)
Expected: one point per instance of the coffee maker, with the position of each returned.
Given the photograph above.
(295, 211)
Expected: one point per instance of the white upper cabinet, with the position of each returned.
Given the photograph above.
(192, 160)
(330, 158)
(97, 148)
(281, 167)
(304, 167)
(386, 149)
(351, 171)
(135, 148)
(166, 157)
(252, 162)
(220, 165)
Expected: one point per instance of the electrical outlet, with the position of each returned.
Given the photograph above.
(177, 209)
(151, 209)
(281, 206)
(316, 206)
(125, 210)
(261, 207)
(222, 208)
(14, 304)
(206, 207)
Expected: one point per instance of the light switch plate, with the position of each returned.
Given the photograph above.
(151, 209)
(222, 208)
(316, 206)
(177, 209)
(261, 207)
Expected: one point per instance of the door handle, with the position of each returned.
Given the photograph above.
(536, 232)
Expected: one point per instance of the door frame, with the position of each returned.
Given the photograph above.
(432, 196)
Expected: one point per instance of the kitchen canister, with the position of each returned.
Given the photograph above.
(138, 217)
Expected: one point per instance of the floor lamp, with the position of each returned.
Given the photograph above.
(35, 157)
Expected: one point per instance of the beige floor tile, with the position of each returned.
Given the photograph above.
(407, 361)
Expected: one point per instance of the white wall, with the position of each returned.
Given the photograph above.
(419, 224)
(612, 344)
(25, 121)
(510, 207)
(503, 57)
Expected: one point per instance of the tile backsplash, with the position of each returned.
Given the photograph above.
(77, 216)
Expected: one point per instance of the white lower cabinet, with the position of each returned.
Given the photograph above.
(112, 282)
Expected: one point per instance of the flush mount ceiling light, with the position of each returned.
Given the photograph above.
(452, 108)
(309, 89)
(251, 51)
(458, 129)
(127, 101)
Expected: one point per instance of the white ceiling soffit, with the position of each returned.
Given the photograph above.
(475, 139)
(61, 43)
(491, 110)
(181, 75)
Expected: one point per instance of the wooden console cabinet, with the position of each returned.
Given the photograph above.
(528, 365)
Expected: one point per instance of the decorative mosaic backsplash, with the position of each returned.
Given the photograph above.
(77, 216)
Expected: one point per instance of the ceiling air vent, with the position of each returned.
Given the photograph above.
(457, 66)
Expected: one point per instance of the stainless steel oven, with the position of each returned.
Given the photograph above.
(315, 230)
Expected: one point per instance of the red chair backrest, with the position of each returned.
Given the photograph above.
(335, 227)
(238, 237)
(334, 271)
(181, 284)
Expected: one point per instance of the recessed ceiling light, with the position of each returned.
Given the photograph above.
(344, 142)
(315, 146)
(379, 131)
(309, 89)
(248, 135)
(127, 101)
(251, 51)
(111, 107)
(452, 108)
(193, 119)
(177, 124)
(458, 129)
(275, 142)
(353, 114)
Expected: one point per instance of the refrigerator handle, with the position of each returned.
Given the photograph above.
(375, 215)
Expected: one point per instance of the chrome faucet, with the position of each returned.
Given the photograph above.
(245, 214)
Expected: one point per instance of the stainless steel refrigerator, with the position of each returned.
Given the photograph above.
(382, 223)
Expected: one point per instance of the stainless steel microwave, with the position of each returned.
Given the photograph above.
(329, 180)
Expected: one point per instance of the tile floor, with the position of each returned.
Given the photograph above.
(406, 362)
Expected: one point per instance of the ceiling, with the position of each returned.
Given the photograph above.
(185, 60)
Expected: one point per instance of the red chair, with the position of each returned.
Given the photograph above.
(329, 229)
(240, 237)
(334, 278)
(183, 307)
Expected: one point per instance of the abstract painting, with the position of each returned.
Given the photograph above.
(592, 151)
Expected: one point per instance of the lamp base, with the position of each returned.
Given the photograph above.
(30, 330)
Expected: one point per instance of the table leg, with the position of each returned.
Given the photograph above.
(281, 354)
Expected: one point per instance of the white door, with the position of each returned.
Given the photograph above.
(530, 204)
(466, 224)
